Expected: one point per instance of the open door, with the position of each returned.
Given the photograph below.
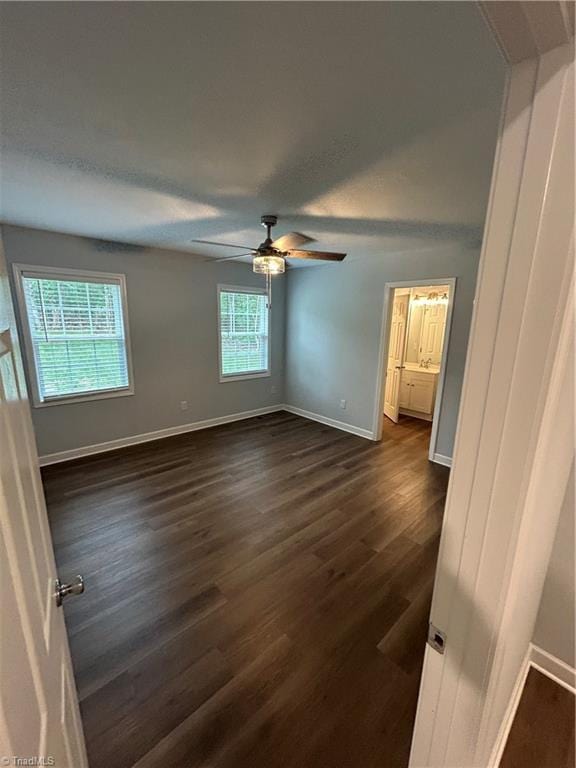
(395, 361)
(515, 439)
(39, 715)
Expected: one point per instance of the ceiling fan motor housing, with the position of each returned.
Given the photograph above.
(268, 220)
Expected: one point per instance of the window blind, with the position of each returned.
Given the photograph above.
(243, 333)
(78, 336)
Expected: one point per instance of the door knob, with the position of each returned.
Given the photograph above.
(63, 590)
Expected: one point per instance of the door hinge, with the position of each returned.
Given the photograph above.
(436, 638)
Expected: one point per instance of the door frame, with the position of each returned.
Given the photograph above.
(378, 417)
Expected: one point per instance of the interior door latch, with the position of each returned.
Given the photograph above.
(436, 638)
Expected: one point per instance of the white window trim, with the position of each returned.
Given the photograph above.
(242, 376)
(80, 275)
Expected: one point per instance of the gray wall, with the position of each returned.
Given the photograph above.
(332, 335)
(333, 324)
(414, 210)
(172, 307)
(554, 630)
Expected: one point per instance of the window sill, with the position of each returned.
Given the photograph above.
(244, 376)
(84, 398)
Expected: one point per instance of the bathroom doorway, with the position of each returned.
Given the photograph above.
(416, 329)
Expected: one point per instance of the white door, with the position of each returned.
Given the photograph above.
(515, 436)
(433, 332)
(39, 715)
(395, 355)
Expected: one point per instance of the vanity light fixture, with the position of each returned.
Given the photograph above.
(432, 298)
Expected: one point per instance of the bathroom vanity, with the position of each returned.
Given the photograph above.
(418, 390)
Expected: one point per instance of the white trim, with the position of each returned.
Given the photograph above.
(223, 378)
(100, 394)
(244, 376)
(145, 437)
(438, 400)
(553, 667)
(365, 433)
(79, 275)
(73, 274)
(159, 434)
(508, 718)
(439, 458)
(378, 416)
(242, 288)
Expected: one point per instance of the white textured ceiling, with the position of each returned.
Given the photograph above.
(369, 126)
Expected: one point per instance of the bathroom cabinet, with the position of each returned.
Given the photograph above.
(418, 391)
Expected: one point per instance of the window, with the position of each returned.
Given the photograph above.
(76, 334)
(244, 339)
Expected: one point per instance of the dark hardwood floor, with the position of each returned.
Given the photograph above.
(257, 594)
(542, 734)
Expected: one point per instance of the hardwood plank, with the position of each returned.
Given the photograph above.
(542, 734)
(257, 594)
(116, 737)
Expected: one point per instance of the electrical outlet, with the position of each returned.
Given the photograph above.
(183, 405)
(273, 389)
(343, 404)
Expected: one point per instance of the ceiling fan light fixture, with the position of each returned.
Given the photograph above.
(268, 265)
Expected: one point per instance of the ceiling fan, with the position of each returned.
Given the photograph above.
(269, 258)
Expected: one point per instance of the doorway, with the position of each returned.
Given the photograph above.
(414, 343)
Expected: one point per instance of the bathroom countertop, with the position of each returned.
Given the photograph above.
(414, 367)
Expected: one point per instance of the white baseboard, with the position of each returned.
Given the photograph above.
(439, 458)
(553, 667)
(366, 433)
(123, 442)
(549, 665)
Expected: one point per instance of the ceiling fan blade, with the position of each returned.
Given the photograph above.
(224, 245)
(320, 255)
(227, 258)
(291, 240)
